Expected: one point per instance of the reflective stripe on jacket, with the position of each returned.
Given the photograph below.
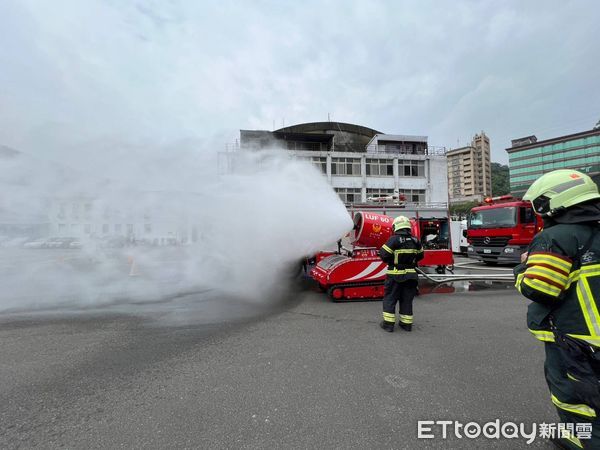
(401, 253)
(562, 277)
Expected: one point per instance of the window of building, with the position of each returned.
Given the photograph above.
(536, 151)
(148, 228)
(320, 162)
(87, 228)
(529, 177)
(409, 148)
(117, 228)
(299, 145)
(414, 195)
(380, 167)
(394, 147)
(590, 152)
(105, 228)
(345, 166)
(411, 168)
(376, 192)
(349, 195)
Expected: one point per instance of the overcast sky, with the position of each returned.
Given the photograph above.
(164, 71)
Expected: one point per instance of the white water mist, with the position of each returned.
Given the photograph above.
(234, 233)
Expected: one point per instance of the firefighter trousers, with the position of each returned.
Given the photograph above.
(402, 292)
(570, 408)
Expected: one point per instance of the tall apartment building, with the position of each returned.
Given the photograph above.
(470, 171)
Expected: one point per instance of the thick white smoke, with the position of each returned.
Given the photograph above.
(235, 231)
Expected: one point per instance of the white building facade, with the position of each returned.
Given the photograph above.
(153, 218)
(375, 167)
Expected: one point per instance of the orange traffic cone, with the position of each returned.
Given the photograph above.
(133, 272)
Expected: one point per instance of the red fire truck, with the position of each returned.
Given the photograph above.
(500, 230)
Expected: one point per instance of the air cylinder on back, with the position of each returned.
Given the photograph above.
(371, 229)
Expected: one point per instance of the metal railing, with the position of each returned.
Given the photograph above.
(406, 205)
(387, 150)
(232, 147)
(373, 149)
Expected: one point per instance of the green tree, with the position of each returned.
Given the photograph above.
(460, 210)
(500, 179)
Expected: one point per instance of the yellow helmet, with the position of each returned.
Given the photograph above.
(401, 222)
(559, 190)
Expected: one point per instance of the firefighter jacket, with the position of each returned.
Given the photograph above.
(562, 277)
(401, 253)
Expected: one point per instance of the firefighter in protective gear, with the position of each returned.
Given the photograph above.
(561, 274)
(401, 252)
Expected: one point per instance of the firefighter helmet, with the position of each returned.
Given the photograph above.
(401, 222)
(560, 189)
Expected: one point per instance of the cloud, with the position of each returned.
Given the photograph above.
(162, 71)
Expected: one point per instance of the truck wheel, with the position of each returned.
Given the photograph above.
(440, 269)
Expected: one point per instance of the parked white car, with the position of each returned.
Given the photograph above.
(38, 243)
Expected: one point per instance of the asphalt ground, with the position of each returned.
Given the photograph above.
(301, 373)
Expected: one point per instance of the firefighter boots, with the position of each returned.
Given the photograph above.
(405, 326)
(387, 326)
